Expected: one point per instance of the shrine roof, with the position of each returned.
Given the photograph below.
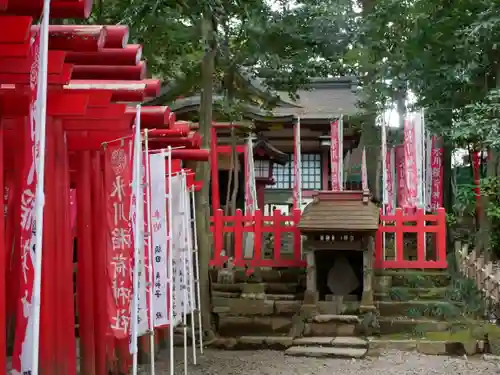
(274, 154)
(351, 211)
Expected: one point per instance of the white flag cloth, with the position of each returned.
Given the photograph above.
(160, 239)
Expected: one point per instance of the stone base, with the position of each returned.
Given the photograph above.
(367, 298)
(253, 291)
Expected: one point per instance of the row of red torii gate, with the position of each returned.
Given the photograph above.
(91, 73)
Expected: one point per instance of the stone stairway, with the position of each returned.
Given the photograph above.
(328, 325)
(274, 312)
(332, 347)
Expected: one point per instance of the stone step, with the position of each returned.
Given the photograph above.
(333, 318)
(406, 294)
(441, 310)
(338, 342)
(404, 324)
(332, 325)
(270, 288)
(416, 278)
(330, 352)
(267, 275)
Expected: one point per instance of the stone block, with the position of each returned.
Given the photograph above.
(253, 291)
(402, 345)
(330, 307)
(312, 351)
(308, 312)
(226, 276)
(314, 341)
(281, 288)
(250, 342)
(310, 297)
(221, 309)
(382, 284)
(307, 329)
(278, 342)
(280, 297)
(298, 326)
(239, 325)
(280, 324)
(240, 306)
(287, 307)
(346, 329)
(406, 325)
(227, 343)
(216, 293)
(326, 318)
(367, 298)
(432, 347)
(231, 288)
(324, 329)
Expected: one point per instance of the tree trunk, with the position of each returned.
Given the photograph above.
(203, 174)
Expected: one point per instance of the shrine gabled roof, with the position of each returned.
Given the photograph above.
(274, 154)
(345, 211)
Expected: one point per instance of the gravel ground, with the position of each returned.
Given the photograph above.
(276, 363)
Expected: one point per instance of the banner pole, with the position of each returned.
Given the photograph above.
(184, 273)
(197, 267)
(150, 255)
(385, 199)
(189, 227)
(170, 263)
(137, 237)
(341, 152)
(40, 170)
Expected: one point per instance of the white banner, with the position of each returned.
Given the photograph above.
(159, 238)
(137, 215)
(187, 252)
(178, 243)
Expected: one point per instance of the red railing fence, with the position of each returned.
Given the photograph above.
(277, 224)
(419, 223)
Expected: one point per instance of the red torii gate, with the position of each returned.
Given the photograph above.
(81, 116)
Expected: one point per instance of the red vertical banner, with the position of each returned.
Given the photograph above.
(389, 183)
(118, 182)
(334, 156)
(400, 175)
(411, 175)
(437, 171)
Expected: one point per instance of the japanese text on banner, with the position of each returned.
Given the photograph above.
(401, 176)
(334, 156)
(389, 166)
(118, 180)
(411, 174)
(159, 237)
(437, 174)
(143, 261)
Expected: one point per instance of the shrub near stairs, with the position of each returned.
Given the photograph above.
(427, 299)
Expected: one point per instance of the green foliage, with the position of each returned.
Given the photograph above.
(259, 47)
(399, 294)
(418, 281)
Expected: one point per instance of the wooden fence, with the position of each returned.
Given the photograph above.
(420, 224)
(278, 225)
(486, 275)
